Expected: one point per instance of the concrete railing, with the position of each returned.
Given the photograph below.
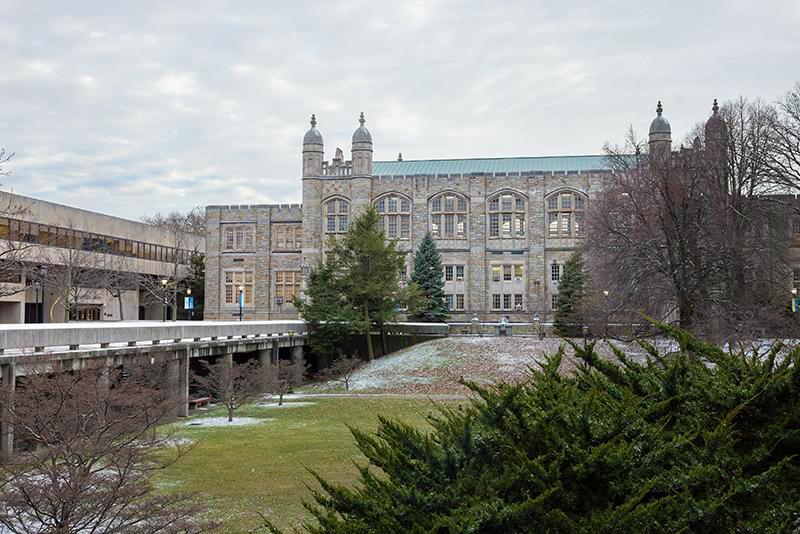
(73, 335)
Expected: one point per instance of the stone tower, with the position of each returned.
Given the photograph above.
(313, 154)
(660, 137)
(313, 150)
(361, 178)
(362, 150)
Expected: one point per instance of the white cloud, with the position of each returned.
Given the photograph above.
(137, 108)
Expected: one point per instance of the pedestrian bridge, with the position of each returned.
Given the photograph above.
(37, 348)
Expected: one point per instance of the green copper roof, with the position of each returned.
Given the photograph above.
(489, 165)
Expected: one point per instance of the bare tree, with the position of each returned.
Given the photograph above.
(232, 384)
(75, 275)
(698, 235)
(283, 376)
(91, 446)
(785, 161)
(5, 157)
(185, 233)
(342, 370)
(117, 278)
(14, 252)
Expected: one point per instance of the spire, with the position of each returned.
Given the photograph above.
(659, 109)
(715, 107)
(399, 156)
(313, 120)
(361, 119)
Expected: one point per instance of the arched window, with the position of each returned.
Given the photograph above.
(448, 216)
(336, 215)
(395, 212)
(506, 215)
(566, 214)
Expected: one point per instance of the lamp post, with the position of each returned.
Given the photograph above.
(164, 283)
(605, 320)
(795, 310)
(191, 311)
(537, 325)
(241, 301)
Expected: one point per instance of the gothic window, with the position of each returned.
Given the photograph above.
(235, 280)
(506, 215)
(336, 211)
(448, 216)
(238, 237)
(566, 214)
(395, 214)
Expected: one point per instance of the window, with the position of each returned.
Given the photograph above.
(234, 279)
(507, 273)
(448, 273)
(403, 274)
(518, 272)
(395, 212)
(455, 302)
(555, 272)
(796, 226)
(497, 271)
(506, 216)
(287, 237)
(496, 301)
(517, 301)
(553, 300)
(238, 237)
(287, 285)
(453, 273)
(566, 214)
(336, 215)
(459, 273)
(795, 277)
(448, 216)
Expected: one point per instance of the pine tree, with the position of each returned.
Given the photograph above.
(429, 278)
(369, 267)
(329, 321)
(569, 317)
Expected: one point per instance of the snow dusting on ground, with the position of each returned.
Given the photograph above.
(286, 404)
(435, 367)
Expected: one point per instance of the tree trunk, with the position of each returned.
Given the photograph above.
(230, 413)
(370, 353)
(121, 313)
(280, 399)
(384, 348)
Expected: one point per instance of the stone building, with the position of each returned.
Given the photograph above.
(504, 227)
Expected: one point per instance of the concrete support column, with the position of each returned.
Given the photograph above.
(183, 384)
(297, 352)
(264, 357)
(276, 354)
(229, 359)
(173, 378)
(8, 373)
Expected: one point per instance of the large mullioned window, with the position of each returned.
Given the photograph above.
(507, 215)
(337, 211)
(566, 214)
(395, 212)
(448, 216)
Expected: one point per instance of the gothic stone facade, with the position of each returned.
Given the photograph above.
(504, 228)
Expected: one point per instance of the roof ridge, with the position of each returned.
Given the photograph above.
(493, 159)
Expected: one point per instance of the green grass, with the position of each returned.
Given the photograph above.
(239, 471)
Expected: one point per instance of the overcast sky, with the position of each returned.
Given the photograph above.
(136, 107)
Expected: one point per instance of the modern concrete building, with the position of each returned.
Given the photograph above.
(42, 243)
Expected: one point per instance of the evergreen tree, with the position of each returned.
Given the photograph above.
(369, 266)
(569, 317)
(328, 319)
(429, 278)
(704, 440)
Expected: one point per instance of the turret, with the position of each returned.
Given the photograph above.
(660, 136)
(313, 151)
(362, 150)
(716, 129)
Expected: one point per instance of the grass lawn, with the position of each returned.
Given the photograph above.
(242, 470)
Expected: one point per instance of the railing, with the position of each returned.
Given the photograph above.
(38, 337)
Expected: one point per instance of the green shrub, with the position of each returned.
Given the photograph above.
(700, 440)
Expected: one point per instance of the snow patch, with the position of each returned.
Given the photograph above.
(216, 422)
(293, 404)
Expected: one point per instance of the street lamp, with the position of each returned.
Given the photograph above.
(537, 325)
(191, 310)
(164, 283)
(605, 321)
(241, 301)
(795, 310)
